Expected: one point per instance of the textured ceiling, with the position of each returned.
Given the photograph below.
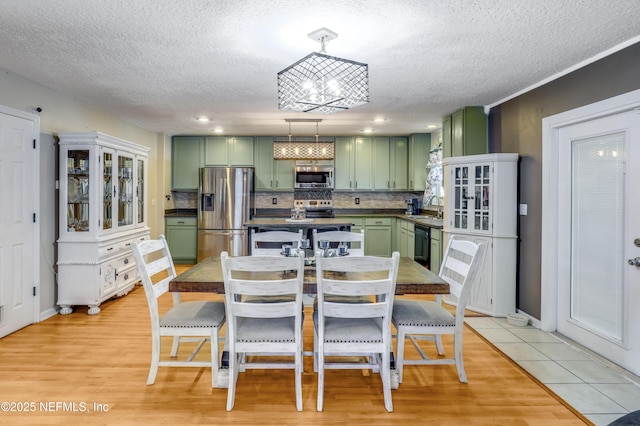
(161, 63)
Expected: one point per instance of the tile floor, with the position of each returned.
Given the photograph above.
(599, 390)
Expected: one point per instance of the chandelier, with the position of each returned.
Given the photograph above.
(301, 147)
(321, 83)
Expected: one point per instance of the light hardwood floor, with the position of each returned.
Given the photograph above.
(50, 369)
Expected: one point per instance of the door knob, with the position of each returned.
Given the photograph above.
(634, 262)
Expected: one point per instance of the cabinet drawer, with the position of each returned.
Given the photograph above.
(409, 226)
(108, 250)
(377, 221)
(181, 221)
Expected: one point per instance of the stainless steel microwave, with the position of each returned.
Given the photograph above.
(313, 176)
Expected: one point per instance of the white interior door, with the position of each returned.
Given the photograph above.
(599, 232)
(18, 269)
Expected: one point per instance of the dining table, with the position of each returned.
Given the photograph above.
(206, 277)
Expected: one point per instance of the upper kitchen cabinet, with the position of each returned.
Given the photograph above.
(186, 155)
(270, 174)
(419, 148)
(102, 211)
(353, 164)
(465, 132)
(228, 151)
(390, 156)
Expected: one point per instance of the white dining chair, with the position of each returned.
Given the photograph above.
(193, 321)
(429, 320)
(269, 243)
(354, 240)
(258, 328)
(360, 330)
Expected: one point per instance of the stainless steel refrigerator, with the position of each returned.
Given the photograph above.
(225, 199)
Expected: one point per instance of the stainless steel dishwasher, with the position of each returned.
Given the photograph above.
(422, 245)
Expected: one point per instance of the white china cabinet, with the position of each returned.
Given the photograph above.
(102, 211)
(481, 206)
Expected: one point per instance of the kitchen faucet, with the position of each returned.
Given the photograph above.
(439, 206)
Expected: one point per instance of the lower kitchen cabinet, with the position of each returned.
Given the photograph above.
(377, 236)
(182, 237)
(435, 251)
(405, 234)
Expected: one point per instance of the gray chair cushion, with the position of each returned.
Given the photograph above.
(194, 314)
(421, 313)
(351, 330)
(266, 329)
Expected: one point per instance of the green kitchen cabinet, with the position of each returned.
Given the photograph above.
(419, 148)
(353, 164)
(381, 164)
(228, 151)
(186, 152)
(435, 251)
(182, 237)
(405, 233)
(465, 132)
(270, 174)
(399, 160)
(390, 156)
(377, 236)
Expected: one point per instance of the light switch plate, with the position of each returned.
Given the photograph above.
(523, 209)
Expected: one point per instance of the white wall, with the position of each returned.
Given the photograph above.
(61, 113)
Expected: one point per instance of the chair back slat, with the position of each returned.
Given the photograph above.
(460, 265)
(355, 310)
(263, 288)
(356, 288)
(264, 310)
(355, 240)
(270, 243)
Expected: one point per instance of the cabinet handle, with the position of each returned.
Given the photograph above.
(126, 276)
(110, 248)
(394, 184)
(181, 222)
(126, 261)
(388, 184)
(356, 185)
(350, 184)
(276, 184)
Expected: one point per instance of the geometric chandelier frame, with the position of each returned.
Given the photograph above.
(321, 83)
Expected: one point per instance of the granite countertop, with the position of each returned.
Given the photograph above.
(282, 221)
(181, 213)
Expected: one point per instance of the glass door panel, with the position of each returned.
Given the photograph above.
(125, 191)
(78, 167)
(108, 190)
(140, 191)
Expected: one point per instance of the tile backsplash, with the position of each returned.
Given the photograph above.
(341, 200)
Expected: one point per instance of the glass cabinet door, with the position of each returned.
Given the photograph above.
(472, 197)
(108, 190)
(140, 173)
(460, 197)
(78, 168)
(482, 207)
(125, 191)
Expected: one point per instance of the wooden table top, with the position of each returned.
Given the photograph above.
(206, 277)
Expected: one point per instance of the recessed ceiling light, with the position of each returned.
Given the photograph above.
(218, 130)
(367, 130)
(432, 126)
(202, 119)
(379, 119)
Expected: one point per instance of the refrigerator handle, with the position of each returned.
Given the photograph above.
(223, 191)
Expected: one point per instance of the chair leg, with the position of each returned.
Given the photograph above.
(299, 363)
(315, 352)
(155, 359)
(233, 378)
(385, 375)
(439, 347)
(174, 346)
(215, 356)
(457, 353)
(320, 380)
(400, 352)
